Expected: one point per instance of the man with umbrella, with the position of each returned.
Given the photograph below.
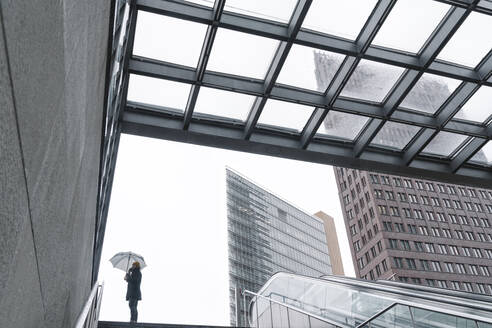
(133, 294)
(133, 277)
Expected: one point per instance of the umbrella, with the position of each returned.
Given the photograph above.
(122, 260)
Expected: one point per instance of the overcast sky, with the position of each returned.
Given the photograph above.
(169, 205)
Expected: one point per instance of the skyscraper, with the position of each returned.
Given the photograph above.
(411, 230)
(266, 234)
(332, 241)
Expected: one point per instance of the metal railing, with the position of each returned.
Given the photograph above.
(89, 316)
(310, 318)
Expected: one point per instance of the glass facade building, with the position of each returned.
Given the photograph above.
(267, 235)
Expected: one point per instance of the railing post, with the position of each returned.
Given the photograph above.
(271, 313)
(244, 307)
(257, 313)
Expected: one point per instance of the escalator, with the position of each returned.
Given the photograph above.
(289, 300)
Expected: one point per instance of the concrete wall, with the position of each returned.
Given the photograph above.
(52, 78)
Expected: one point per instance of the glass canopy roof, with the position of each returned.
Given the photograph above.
(405, 83)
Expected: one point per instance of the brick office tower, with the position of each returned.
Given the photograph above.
(418, 231)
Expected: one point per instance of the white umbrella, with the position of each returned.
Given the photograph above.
(122, 260)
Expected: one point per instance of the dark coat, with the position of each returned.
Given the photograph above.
(134, 277)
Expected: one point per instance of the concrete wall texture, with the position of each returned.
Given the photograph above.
(52, 69)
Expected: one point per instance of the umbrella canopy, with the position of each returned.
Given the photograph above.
(123, 260)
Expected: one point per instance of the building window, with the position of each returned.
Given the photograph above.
(459, 234)
(420, 185)
(448, 267)
(453, 218)
(485, 222)
(447, 203)
(397, 182)
(441, 248)
(419, 246)
(411, 264)
(383, 209)
(430, 186)
(430, 215)
(376, 228)
(429, 247)
(374, 178)
(488, 253)
(402, 196)
(398, 262)
(469, 206)
(472, 192)
(463, 219)
(477, 252)
(418, 214)
(378, 270)
(483, 194)
(441, 188)
(452, 190)
(468, 287)
(399, 227)
(481, 236)
(371, 212)
(412, 228)
(430, 282)
(423, 230)
(460, 268)
(385, 265)
(353, 230)
(357, 245)
(350, 214)
(387, 226)
(394, 211)
(424, 264)
(405, 245)
(371, 275)
(469, 235)
(435, 232)
(442, 284)
(363, 181)
(407, 212)
(481, 288)
(446, 233)
(346, 199)
(360, 263)
(366, 195)
(393, 243)
(413, 198)
(462, 191)
(441, 217)
(386, 180)
(454, 250)
(407, 183)
(425, 200)
(435, 201)
(466, 251)
(373, 251)
(458, 204)
(379, 245)
(484, 271)
(436, 266)
(479, 207)
(473, 269)
(455, 285)
(378, 193)
(390, 195)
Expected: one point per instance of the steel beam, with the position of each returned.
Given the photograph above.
(419, 143)
(466, 153)
(202, 61)
(149, 124)
(276, 65)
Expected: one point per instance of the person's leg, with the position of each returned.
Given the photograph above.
(136, 312)
(133, 309)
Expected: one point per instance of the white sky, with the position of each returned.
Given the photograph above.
(169, 205)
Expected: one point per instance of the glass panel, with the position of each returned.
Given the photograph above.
(156, 38)
(264, 318)
(479, 107)
(309, 68)
(395, 135)
(279, 316)
(430, 319)
(429, 93)
(396, 317)
(371, 81)
(223, 103)
(298, 319)
(241, 53)
(484, 156)
(342, 125)
(208, 3)
(285, 114)
(410, 23)
(158, 92)
(471, 42)
(484, 325)
(342, 18)
(444, 143)
(276, 10)
(315, 323)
